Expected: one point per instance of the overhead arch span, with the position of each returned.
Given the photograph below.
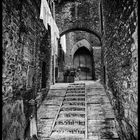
(81, 29)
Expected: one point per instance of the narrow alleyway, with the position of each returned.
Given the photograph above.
(77, 111)
(69, 69)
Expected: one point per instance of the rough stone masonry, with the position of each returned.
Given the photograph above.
(23, 38)
(120, 47)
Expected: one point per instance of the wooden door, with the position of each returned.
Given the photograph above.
(83, 60)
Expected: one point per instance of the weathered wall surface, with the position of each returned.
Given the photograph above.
(13, 121)
(22, 34)
(97, 61)
(61, 64)
(70, 41)
(121, 60)
(71, 15)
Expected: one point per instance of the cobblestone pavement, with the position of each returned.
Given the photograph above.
(76, 111)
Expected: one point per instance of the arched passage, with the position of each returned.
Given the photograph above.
(82, 62)
(45, 59)
(81, 29)
(79, 15)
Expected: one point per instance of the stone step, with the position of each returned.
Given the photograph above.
(74, 103)
(75, 91)
(69, 127)
(73, 94)
(71, 118)
(78, 113)
(72, 114)
(69, 97)
(73, 106)
(69, 131)
(74, 122)
(74, 99)
(72, 109)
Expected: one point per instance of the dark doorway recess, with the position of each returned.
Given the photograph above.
(83, 60)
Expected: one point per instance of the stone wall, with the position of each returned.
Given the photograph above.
(61, 63)
(73, 14)
(13, 121)
(97, 61)
(23, 33)
(70, 41)
(120, 49)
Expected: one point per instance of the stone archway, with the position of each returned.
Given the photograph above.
(82, 55)
(71, 15)
(98, 35)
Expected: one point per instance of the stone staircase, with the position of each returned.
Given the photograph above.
(78, 111)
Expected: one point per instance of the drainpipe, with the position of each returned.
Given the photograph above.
(33, 103)
(54, 63)
(104, 67)
(54, 69)
(93, 65)
(101, 17)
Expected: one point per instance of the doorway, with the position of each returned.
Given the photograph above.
(82, 62)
